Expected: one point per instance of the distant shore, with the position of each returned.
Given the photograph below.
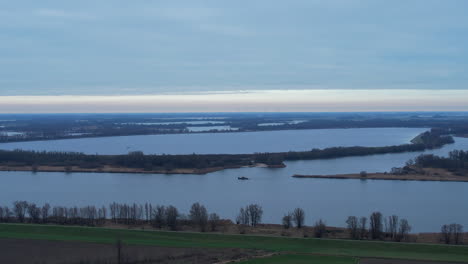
(111, 169)
(436, 176)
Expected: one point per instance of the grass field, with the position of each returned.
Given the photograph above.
(302, 259)
(275, 244)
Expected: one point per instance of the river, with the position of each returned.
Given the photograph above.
(427, 205)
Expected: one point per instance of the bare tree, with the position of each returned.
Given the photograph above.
(403, 230)
(457, 231)
(446, 234)
(34, 212)
(19, 209)
(171, 217)
(376, 225)
(299, 217)
(2, 214)
(255, 214)
(362, 227)
(353, 227)
(392, 226)
(5, 214)
(287, 220)
(452, 234)
(320, 229)
(243, 217)
(213, 220)
(159, 215)
(199, 216)
(113, 211)
(147, 212)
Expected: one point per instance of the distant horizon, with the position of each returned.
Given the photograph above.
(229, 113)
(355, 100)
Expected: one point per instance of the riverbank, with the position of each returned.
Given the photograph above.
(112, 169)
(426, 174)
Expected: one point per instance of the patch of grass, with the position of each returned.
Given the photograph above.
(302, 259)
(205, 240)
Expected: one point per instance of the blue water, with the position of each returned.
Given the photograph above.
(427, 205)
(228, 143)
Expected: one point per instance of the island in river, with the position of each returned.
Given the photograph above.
(423, 174)
(117, 169)
(138, 162)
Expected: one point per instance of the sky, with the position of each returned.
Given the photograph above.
(222, 56)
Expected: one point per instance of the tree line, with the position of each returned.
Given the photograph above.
(159, 216)
(375, 227)
(456, 160)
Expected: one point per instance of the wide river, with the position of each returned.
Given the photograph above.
(427, 205)
(228, 143)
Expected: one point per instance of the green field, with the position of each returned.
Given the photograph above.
(302, 259)
(275, 244)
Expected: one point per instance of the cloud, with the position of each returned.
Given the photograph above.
(245, 101)
(124, 47)
(62, 14)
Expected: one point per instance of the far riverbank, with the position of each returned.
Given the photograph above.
(428, 174)
(112, 169)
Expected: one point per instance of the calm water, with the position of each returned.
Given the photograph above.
(232, 143)
(427, 205)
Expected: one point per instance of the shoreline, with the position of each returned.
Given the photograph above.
(389, 177)
(110, 169)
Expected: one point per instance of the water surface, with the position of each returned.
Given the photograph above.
(427, 205)
(228, 143)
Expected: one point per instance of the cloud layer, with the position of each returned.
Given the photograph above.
(247, 101)
(117, 47)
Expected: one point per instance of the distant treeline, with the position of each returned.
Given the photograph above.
(376, 227)
(456, 160)
(45, 127)
(138, 160)
(427, 140)
(134, 159)
(348, 122)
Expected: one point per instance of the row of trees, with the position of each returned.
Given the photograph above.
(158, 216)
(379, 227)
(452, 233)
(250, 215)
(456, 160)
(23, 211)
(391, 227)
(375, 227)
(297, 217)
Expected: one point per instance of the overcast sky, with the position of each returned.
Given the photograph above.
(111, 48)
